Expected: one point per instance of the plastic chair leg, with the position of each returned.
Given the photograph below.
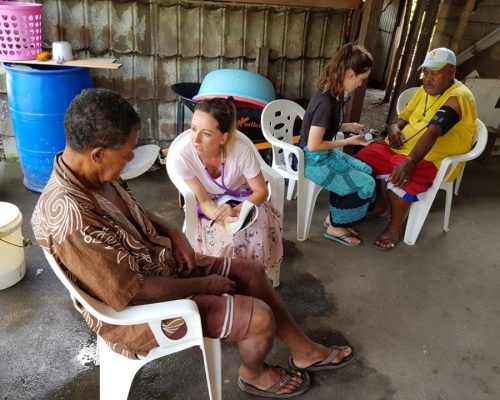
(116, 373)
(447, 209)
(212, 360)
(307, 196)
(417, 216)
(291, 188)
(459, 181)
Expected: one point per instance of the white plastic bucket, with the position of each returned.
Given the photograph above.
(12, 263)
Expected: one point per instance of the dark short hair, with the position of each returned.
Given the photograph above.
(223, 110)
(99, 117)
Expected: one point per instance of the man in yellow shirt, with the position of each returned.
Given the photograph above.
(439, 121)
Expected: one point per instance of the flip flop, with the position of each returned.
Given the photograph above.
(394, 242)
(326, 225)
(327, 363)
(272, 391)
(341, 239)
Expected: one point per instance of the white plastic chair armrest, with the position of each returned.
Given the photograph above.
(152, 314)
(295, 150)
(145, 313)
(277, 187)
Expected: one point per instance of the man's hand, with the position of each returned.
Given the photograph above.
(182, 252)
(395, 136)
(217, 285)
(402, 173)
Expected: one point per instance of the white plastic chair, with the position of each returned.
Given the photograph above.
(277, 121)
(275, 183)
(404, 98)
(420, 209)
(116, 371)
(144, 158)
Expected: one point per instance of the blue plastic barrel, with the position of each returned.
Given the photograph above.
(38, 98)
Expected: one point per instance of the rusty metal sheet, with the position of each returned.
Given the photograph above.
(333, 38)
(190, 34)
(294, 34)
(292, 87)
(276, 30)
(255, 31)
(122, 27)
(234, 22)
(211, 24)
(98, 27)
(167, 39)
(315, 30)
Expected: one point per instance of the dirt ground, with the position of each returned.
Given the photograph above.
(374, 112)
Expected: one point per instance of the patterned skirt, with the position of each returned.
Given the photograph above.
(260, 242)
(349, 181)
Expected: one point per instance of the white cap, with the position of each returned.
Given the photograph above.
(438, 58)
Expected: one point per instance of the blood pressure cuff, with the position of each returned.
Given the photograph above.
(446, 117)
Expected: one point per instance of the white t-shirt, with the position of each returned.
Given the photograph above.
(241, 164)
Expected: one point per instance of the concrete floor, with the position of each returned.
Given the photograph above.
(424, 319)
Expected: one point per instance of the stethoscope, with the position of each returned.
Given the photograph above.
(230, 192)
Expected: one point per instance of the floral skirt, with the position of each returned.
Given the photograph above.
(349, 181)
(260, 242)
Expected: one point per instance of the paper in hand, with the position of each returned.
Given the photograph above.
(248, 215)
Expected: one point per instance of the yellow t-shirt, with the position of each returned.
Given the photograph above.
(458, 140)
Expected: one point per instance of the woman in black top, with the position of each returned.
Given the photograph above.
(348, 180)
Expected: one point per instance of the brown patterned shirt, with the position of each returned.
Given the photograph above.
(103, 252)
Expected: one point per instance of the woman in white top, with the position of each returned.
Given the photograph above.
(217, 166)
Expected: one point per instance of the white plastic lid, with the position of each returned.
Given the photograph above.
(144, 158)
(9, 215)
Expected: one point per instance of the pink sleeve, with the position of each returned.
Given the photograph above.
(251, 164)
(183, 163)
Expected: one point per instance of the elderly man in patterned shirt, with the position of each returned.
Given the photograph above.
(122, 254)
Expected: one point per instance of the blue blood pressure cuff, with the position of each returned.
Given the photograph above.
(446, 117)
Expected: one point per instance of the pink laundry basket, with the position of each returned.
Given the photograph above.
(20, 30)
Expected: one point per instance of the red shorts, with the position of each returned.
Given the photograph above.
(383, 160)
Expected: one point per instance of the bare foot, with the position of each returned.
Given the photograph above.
(351, 229)
(389, 238)
(306, 360)
(270, 376)
(353, 238)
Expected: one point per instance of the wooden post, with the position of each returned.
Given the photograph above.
(424, 39)
(407, 56)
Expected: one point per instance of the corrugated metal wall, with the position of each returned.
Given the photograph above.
(161, 42)
(387, 26)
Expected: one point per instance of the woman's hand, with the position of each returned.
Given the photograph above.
(395, 136)
(224, 211)
(358, 140)
(354, 127)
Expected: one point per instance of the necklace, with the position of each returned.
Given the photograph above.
(425, 105)
(214, 171)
